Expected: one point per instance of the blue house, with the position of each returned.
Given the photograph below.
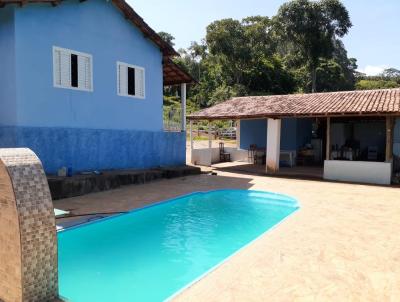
(81, 84)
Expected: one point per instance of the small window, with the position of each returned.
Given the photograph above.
(72, 69)
(131, 80)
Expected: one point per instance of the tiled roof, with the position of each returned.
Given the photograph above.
(362, 102)
(173, 74)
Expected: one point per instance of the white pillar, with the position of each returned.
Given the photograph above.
(183, 106)
(273, 145)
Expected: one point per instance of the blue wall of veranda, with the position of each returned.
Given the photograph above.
(294, 133)
(77, 129)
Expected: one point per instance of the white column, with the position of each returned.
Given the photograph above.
(273, 145)
(183, 106)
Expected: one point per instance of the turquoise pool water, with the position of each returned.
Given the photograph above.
(151, 253)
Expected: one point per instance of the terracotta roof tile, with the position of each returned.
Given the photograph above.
(361, 102)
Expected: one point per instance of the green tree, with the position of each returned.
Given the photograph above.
(390, 73)
(366, 84)
(309, 29)
(167, 38)
(243, 54)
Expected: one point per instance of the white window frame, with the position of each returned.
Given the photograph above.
(78, 53)
(119, 63)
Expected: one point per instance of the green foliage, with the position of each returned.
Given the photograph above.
(392, 73)
(167, 38)
(260, 56)
(308, 30)
(376, 84)
(389, 78)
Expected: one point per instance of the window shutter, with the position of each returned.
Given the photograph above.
(84, 73)
(65, 69)
(122, 79)
(139, 82)
(57, 67)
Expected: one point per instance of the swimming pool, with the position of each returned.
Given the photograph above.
(151, 253)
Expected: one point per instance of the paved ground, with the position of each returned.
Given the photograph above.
(342, 245)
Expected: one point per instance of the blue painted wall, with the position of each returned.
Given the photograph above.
(304, 131)
(97, 149)
(294, 133)
(253, 132)
(82, 130)
(8, 114)
(96, 27)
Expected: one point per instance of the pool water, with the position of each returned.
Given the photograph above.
(151, 253)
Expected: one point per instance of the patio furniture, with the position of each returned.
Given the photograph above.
(251, 152)
(305, 157)
(291, 154)
(259, 156)
(223, 156)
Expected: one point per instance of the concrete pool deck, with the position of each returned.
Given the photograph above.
(342, 245)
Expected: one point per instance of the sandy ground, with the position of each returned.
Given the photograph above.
(342, 245)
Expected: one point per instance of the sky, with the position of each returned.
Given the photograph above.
(374, 39)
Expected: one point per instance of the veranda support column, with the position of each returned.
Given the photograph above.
(273, 145)
(183, 106)
(389, 139)
(328, 138)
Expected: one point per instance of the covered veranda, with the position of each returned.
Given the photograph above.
(345, 136)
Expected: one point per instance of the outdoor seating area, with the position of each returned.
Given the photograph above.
(349, 143)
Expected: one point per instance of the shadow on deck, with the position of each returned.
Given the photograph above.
(301, 172)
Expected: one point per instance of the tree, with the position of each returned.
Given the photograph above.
(167, 38)
(367, 84)
(243, 54)
(390, 73)
(389, 78)
(309, 30)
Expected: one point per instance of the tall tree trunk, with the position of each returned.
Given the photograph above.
(313, 79)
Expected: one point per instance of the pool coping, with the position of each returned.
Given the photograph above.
(295, 205)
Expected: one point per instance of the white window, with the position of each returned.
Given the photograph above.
(130, 80)
(72, 69)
